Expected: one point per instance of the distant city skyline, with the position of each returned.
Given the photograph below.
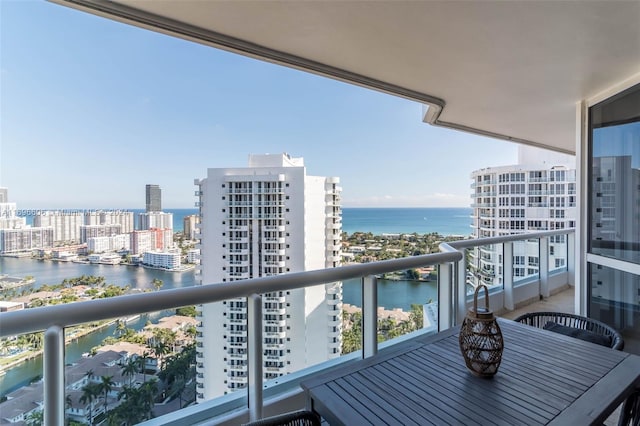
(93, 110)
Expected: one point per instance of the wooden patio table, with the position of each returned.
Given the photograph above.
(544, 378)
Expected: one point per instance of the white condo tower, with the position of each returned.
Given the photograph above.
(267, 219)
(537, 194)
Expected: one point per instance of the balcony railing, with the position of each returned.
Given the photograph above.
(453, 300)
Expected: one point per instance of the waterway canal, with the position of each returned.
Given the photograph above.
(391, 295)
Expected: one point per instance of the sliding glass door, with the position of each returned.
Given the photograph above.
(614, 211)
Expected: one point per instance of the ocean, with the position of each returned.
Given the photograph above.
(422, 220)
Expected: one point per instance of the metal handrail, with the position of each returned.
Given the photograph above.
(38, 319)
(53, 319)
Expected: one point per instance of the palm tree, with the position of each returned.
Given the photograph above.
(142, 363)
(121, 328)
(160, 349)
(35, 340)
(90, 393)
(88, 374)
(157, 283)
(105, 386)
(131, 410)
(67, 401)
(149, 391)
(36, 418)
(130, 369)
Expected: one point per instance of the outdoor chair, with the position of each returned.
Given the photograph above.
(590, 330)
(575, 326)
(295, 418)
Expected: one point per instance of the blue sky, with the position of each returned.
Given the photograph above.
(92, 110)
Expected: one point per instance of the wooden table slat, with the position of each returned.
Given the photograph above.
(500, 397)
(356, 396)
(543, 344)
(401, 411)
(543, 374)
(544, 378)
(625, 377)
(467, 401)
(434, 407)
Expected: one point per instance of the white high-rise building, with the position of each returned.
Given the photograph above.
(109, 243)
(9, 218)
(161, 259)
(15, 235)
(160, 220)
(126, 219)
(266, 219)
(537, 194)
(142, 241)
(90, 231)
(23, 240)
(189, 228)
(66, 225)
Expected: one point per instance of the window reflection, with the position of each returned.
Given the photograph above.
(615, 177)
(615, 297)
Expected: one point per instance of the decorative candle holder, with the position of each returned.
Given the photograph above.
(481, 341)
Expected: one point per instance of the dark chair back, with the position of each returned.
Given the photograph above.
(540, 319)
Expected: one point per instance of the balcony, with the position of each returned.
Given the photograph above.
(271, 252)
(560, 74)
(504, 298)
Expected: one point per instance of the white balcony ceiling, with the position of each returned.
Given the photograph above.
(511, 69)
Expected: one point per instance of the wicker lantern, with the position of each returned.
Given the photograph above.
(481, 341)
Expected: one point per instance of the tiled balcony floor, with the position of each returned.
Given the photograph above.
(559, 302)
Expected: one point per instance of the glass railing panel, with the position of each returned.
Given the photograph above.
(526, 261)
(614, 298)
(484, 266)
(558, 253)
(407, 302)
(151, 352)
(21, 377)
(142, 366)
(404, 297)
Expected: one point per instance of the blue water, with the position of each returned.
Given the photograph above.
(444, 221)
(391, 294)
(422, 220)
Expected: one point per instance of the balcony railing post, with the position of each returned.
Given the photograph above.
(254, 334)
(445, 296)
(369, 316)
(53, 374)
(544, 267)
(507, 275)
(461, 290)
(571, 258)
